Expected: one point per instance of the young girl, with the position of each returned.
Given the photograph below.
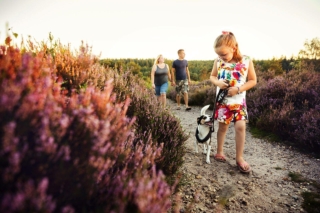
(231, 65)
(159, 78)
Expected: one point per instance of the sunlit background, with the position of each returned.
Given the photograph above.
(146, 28)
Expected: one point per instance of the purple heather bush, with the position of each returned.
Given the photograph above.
(288, 106)
(71, 149)
(152, 120)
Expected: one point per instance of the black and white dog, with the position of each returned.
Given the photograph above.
(203, 132)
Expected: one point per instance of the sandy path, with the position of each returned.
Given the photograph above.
(266, 189)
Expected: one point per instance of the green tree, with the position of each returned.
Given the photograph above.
(119, 65)
(134, 68)
(204, 74)
(194, 76)
(311, 49)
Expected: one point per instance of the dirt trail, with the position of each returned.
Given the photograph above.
(266, 189)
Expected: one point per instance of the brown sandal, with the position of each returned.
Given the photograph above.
(220, 158)
(241, 167)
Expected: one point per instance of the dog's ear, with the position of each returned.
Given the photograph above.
(198, 119)
(203, 120)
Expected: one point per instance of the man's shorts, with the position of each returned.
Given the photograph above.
(230, 113)
(182, 87)
(161, 89)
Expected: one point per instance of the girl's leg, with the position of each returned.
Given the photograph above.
(221, 134)
(240, 129)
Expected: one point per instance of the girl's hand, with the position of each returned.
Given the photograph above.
(222, 85)
(232, 91)
(153, 86)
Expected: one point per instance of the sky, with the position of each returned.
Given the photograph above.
(146, 28)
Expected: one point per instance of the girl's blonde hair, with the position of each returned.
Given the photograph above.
(228, 39)
(157, 60)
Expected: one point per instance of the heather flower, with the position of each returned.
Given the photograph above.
(286, 106)
(74, 140)
(68, 209)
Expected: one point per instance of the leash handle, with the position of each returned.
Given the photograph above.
(224, 93)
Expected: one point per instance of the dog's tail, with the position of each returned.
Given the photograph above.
(204, 109)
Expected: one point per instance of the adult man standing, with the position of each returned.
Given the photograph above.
(181, 73)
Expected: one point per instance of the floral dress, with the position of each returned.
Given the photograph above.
(233, 108)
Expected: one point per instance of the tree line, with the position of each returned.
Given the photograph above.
(200, 69)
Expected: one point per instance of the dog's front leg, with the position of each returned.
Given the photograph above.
(204, 148)
(208, 154)
(196, 146)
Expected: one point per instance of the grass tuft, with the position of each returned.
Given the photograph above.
(311, 199)
(297, 177)
(258, 133)
(311, 202)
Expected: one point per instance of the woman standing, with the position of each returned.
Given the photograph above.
(159, 79)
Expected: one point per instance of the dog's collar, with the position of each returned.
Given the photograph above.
(205, 138)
